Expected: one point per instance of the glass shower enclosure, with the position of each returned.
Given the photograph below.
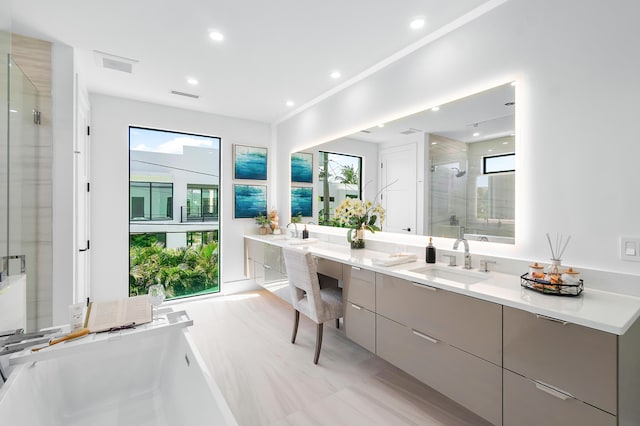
(19, 194)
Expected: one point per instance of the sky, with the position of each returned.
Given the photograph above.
(167, 142)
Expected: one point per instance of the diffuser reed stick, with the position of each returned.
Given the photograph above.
(559, 248)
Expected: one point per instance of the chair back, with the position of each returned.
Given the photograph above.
(303, 283)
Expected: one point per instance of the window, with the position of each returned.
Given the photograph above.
(340, 176)
(202, 203)
(167, 169)
(499, 164)
(151, 201)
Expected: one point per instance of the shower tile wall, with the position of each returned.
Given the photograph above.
(34, 58)
(448, 192)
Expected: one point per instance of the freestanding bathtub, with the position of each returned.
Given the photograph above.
(144, 377)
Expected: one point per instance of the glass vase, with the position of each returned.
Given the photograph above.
(357, 238)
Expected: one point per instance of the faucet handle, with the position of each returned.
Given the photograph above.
(452, 259)
(486, 264)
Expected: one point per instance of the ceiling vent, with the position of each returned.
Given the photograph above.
(410, 131)
(113, 62)
(188, 95)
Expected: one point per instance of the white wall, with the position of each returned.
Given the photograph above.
(111, 118)
(63, 215)
(577, 70)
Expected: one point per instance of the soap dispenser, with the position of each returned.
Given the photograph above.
(430, 255)
(305, 233)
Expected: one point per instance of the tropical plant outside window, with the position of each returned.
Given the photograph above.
(169, 172)
(339, 177)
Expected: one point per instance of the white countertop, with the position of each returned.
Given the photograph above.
(601, 310)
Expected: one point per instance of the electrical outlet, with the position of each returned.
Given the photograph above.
(630, 248)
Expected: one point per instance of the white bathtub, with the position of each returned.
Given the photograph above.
(153, 378)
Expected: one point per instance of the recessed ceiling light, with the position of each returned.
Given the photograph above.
(192, 81)
(290, 103)
(505, 143)
(381, 125)
(434, 143)
(336, 74)
(476, 134)
(216, 35)
(417, 22)
(435, 108)
(489, 150)
(13, 110)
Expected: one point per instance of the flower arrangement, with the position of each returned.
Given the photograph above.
(359, 215)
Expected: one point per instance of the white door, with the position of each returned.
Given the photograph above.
(398, 185)
(81, 207)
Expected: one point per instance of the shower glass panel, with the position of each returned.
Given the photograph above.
(20, 178)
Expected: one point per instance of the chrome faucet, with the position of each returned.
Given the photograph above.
(294, 233)
(467, 256)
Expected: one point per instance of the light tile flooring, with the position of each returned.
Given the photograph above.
(245, 341)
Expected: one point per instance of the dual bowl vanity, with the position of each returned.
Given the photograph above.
(511, 355)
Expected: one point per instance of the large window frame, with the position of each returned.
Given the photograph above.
(161, 163)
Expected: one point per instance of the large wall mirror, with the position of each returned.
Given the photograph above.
(448, 171)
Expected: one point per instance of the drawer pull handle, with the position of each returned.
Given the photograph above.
(355, 306)
(266, 266)
(424, 336)
(553, 391)
(425, 287)
(355, 268)
(544, 317)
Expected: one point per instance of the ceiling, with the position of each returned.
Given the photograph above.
(273, 51)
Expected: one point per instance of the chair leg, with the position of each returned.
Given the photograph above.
(318, 343)
(295, 325)
(337, 322)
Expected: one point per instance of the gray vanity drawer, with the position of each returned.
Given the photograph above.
(579, 360)
(467, 379)
(360, 286)
(360, 326)
(467, 323)
(527, 403)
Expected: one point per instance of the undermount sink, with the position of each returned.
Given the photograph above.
(445, 273)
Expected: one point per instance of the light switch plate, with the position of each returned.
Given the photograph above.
(630, 248)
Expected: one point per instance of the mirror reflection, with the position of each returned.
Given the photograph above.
(448, 171)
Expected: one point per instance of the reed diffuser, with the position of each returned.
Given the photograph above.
(557, 250)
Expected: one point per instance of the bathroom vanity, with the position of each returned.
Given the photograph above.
(511, 355)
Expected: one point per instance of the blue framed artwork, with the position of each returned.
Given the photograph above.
(302, 167)
(249, 201)
(301, 201)
(249, 162)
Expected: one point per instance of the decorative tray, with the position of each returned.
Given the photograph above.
(546, 287)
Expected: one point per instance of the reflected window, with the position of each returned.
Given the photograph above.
(202, 203)
(339, 177)
(499, 164)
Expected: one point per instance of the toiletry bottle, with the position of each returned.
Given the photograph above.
(305, 233)
(430, 255)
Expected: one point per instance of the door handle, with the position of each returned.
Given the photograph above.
(406, 229)
(86, 248)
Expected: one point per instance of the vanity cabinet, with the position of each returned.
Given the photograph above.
(359, 295)
(576, 360)
(530, 403)
(461, 376)
(265, 262)
(449, 341)
(467, 323)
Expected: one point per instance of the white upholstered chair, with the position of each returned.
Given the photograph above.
(318, 304)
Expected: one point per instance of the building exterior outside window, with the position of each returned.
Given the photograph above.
(174, 192)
